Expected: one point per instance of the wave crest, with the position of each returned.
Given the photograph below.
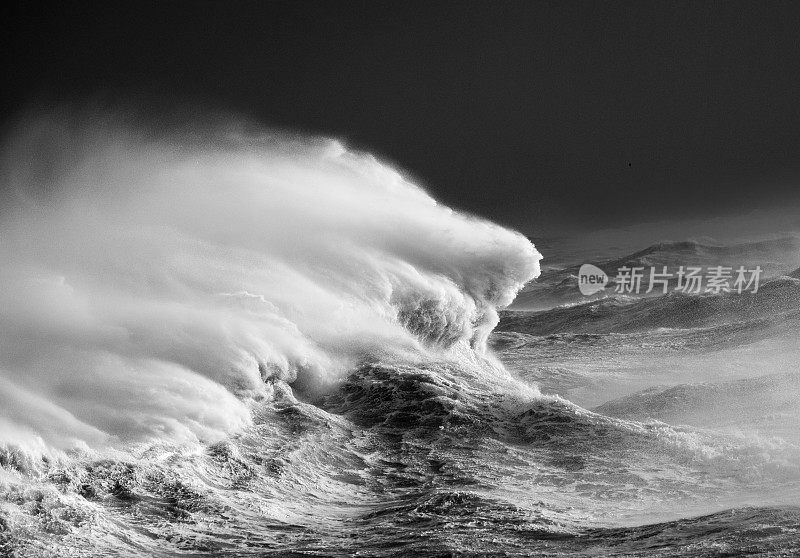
(146, 272)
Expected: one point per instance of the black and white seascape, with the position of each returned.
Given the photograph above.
(385, 281)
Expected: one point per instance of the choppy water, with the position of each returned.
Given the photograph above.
(424, 460)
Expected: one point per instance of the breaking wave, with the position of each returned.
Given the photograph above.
(155, 282)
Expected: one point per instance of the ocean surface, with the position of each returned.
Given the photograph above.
(257, 345)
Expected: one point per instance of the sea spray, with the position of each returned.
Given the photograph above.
(153, 280)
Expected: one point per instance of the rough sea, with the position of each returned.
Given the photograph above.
(223, 341)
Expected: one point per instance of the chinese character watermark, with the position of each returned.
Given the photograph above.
(686, 279)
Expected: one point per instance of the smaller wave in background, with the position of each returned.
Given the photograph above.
(558, 285)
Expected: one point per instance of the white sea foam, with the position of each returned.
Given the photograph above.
(152, 281)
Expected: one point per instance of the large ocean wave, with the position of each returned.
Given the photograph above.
(155, 282)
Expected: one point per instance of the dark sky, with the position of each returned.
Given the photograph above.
(534, 114)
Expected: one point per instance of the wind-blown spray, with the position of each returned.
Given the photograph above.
(153, 282)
